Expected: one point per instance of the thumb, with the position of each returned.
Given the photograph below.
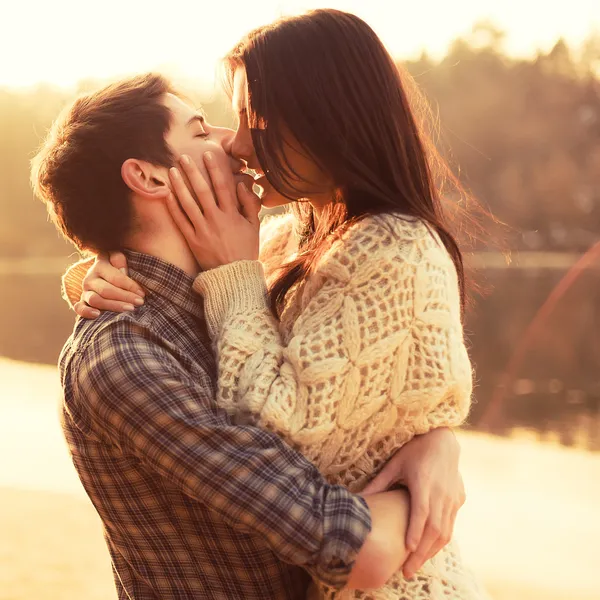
(381, 482)
(119, 261)
(392, 472)
(249, 202)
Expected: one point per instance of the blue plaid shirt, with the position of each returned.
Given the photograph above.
(192, 505)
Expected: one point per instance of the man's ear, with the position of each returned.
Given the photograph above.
(145, 179)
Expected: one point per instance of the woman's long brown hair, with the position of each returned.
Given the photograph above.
(325, 78)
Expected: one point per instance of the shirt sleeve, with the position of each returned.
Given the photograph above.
(138, 396)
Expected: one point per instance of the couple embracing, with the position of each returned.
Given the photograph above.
(264, 411)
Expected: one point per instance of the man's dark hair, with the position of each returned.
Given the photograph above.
(77, 171)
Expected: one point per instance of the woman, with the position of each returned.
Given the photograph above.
(355, 344)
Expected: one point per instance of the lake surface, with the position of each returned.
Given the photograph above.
(552, 392)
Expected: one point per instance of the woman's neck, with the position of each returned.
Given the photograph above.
(318, 204)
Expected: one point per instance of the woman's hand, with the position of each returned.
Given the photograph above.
(428, 467)
(107, 287)
(217, 229)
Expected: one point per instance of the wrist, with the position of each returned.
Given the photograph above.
(384, 550)
(232, 289)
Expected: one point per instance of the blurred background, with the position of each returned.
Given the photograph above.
(516, 86)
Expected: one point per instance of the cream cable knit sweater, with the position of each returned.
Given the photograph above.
(369, 353)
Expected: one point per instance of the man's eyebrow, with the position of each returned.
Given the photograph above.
(197, 117)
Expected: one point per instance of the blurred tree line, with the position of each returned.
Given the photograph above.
(525, 134)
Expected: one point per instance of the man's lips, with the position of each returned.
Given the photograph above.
(245, 178)
(262, 182)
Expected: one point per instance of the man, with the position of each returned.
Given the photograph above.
(192, 505)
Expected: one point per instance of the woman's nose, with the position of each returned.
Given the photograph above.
(240, 147)
(227, 142)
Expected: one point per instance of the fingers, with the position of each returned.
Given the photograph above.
(374, 487)
(434, 535)
(112, 274)
(446, 529)
(119, 261)
(181, 219)
(222, 181)
(107, 291)
(200, 186)
(95, 300)
(381, 482)
(421, 535)
(85, 311)
(419, 512)
(188, 204)
(417, 559)
(451, 508)
(392, 472)
(250, 203)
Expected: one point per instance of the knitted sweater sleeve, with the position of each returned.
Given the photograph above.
(72, 280)
(275, 237)
(377, 345)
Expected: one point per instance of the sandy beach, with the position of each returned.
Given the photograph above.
(530, 528)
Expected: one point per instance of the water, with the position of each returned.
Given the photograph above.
(554, 393)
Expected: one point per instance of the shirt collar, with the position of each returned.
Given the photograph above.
(166, 280)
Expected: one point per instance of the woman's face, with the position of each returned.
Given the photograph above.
(310, 177)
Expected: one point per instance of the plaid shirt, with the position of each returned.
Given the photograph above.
(192, 505)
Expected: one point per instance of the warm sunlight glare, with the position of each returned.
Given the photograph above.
(63, 41)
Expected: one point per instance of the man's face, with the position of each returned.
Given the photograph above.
(191, 134)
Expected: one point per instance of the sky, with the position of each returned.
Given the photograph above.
(63, 41)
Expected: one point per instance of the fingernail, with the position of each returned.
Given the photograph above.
(141, 292)
(128, 307)
(208, 156)
(174, 172)
(138, 301)
(95, 313)
(185, 159)
(123, 270)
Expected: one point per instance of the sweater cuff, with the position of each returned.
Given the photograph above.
(72, 280)
(233, 289)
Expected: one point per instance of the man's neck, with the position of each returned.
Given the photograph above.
(173, 250)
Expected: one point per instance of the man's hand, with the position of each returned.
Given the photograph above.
(428, 467)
